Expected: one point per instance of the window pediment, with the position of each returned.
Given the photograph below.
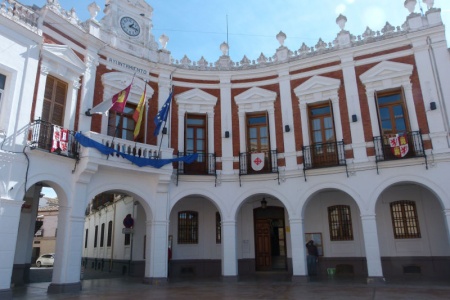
(60, 59)
(256, 99)
(386, 70)
(317, 84)
(114, 82)
(196, 100)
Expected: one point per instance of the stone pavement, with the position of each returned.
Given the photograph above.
(257, 287)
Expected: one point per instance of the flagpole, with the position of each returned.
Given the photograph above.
(146, 118)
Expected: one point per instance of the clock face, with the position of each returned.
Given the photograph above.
(130, 26)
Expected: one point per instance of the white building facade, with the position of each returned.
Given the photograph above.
(346, 144)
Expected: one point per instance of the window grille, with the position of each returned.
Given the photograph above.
(188, 227)
(404, 220)
(340, 223)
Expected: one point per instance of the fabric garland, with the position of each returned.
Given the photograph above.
(138, 161)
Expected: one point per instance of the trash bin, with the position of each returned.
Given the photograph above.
(331, 271)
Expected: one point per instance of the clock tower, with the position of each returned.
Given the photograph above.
(127, 26)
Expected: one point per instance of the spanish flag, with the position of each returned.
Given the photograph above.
(120, 99)
(139, 112)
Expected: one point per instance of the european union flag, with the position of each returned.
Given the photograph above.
(161, 116)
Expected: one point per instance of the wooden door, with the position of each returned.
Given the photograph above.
(263, 245)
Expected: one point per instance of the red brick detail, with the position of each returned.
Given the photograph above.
(407, 47)
(255, 79)
(331, 64)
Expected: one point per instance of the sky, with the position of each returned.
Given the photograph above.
(196, 28)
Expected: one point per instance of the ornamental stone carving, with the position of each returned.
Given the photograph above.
(341, 20)
(410, 5)
(93, 10)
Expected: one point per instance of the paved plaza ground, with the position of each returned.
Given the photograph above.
(265, 286)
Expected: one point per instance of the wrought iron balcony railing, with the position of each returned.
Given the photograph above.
(251, 163)
(399, 146)
(52, 138)
(322, 155)
(204, 165)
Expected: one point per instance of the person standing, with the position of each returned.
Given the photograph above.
(312, 258)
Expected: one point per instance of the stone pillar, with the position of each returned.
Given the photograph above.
(210, 115)
(9, 223)
(242, 129)
(40, 92)
(273, 141)
(430, 77)
(87, 90)
(304, 116)
(373, 111)
(69, 242)
(181, 121)
(299, 270)
(229, 251)
(354, 108)
(290, 152)
(24, 245)
(156, 264)
(226, 125)
(447, 220)
(374, 269)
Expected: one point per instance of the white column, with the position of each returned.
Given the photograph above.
(157, 231)
(226, 125)
(298, 249)
(434, 89)
(181, 120)
(290, 153)
(304, 117)
(69, 242)
(40, 93)
(87, 90)
(210, 115)
(229, 251)
(407, 88)
(354, 108)
(71, 102)
(242, 143)
(372, 247)
(447, 219)
(157, 254)
(273, 140)
(337, 118)
(373, 110)
(9, 224)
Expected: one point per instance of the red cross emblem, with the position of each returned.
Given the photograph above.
(257, 161)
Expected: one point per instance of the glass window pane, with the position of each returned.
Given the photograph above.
(398, 111)
(316, 124)
(389, 99)
(386, 125)
(328, 122)
(384, 113)
(2, 81)
(317, 137)
(257, 120)
(263, 131)
(195, 121)
(200, 133)
(200, 146)
(253, 133)
(189, 145)
(400, 125)
(320, 111)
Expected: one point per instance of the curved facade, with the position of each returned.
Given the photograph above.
(346, 144)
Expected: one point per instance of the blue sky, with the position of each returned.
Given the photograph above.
(198, 27)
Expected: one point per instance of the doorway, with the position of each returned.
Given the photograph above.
(270, 239)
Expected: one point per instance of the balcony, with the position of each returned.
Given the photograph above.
(264, 162)
(324, 155)
(394, 147)
(54, 139)
(204, 165)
